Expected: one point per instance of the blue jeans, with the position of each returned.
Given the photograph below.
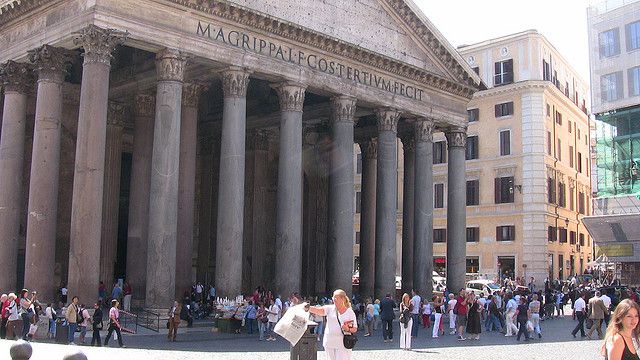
(493, 320)
(72, 332)
(52, 327)
(26, 322)
(250, 325)
(319, 328)
(416, 322)
(262, 328)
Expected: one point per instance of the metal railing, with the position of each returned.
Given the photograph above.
(148, 320)
(129, 322)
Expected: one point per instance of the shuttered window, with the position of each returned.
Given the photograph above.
(503, 72)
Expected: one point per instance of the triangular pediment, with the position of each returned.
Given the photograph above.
(392, 28)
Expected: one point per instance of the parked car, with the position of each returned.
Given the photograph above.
(487, 287)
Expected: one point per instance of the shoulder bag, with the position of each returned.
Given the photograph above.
(348, 340)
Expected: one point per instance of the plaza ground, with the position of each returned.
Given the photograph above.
(202, 343)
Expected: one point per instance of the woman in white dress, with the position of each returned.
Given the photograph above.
(334, 330)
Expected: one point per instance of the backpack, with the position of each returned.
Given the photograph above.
(80, 318)
(405, 316)
(456, 307)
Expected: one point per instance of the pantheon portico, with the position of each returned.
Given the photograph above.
(172, 140)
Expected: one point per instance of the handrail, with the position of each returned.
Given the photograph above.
(129, 322)
(148, 320)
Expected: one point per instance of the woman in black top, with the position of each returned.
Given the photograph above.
(473, 318)
(96, 322)
(522, 316)
(622, 331)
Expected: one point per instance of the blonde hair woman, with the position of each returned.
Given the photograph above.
(622, 331)
(405, 326)
(340, 320)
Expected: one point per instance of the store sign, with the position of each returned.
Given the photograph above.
(615, 250)
(316, 62)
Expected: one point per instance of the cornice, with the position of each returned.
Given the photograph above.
(15, 9)
(464, 86)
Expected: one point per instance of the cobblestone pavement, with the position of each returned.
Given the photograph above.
(201, 343)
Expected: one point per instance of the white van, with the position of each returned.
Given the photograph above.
(487, 287)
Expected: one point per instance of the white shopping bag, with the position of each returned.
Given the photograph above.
(115, 335)
(293, 324)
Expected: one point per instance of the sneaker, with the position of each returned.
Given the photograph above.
(435, 336)
(539, 336)
(453, 332)
(460, 338)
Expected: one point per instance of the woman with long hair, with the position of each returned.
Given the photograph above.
(341, 319)
(405, 327)
(621, 332)
(437, 315)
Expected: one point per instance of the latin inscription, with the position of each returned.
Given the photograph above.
(313, 61)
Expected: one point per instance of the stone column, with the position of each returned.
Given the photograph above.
(16, 79)
(369, 150)
(423, 218)
(409, 155)
(111, 197)
(88, 178)
(386, 200)
(341, 195)
(260, 203)
(144, 111)
(163, 196)
(456, 209)
(51, 64)
(186, 185)
(231, 185)
(288, 272)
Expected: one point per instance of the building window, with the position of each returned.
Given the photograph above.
(506, 233)
(356, 263)
(552, 234)
(503, 72)
(504, 190)
(569, 123)
(358, 202)
(473, 234)
(473, 115)
(561, 195)
(572, 200)
(633, 75)
(571, 156)
(549, 144)
(563, 235)
(473, 192)
(579, 162)
(438, 196)
(572, 237)
(548, 110)
(581, 237)
(609, 42)
(472, 148)
(633, 35)
(473, 265)
(611, 86)
(439, 235)
(581, 203)
(546, 70)
(551, 190)
(439, 152)
(558, 118)
(559, 151)
(359, 163)
(505, 142)
(504, 109)
(357, 237)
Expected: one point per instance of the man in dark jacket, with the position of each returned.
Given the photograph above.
(387, 315)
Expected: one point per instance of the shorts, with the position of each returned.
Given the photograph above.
(461, 320)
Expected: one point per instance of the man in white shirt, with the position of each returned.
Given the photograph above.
(579, 309)
(510, 311)
(415, 312)
(607, 303)
(278, 303)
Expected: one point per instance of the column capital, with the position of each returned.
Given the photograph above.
(115, 114)
(387, 119)
(424, 130)
(291, 96)
(144, 105)
(456, 136)
(259, 140)
(369, 148)
(51, 62)
(191, 93)
(235, 82)
(343, 109)
(98, 43)
(16, 77)
(170, 64)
